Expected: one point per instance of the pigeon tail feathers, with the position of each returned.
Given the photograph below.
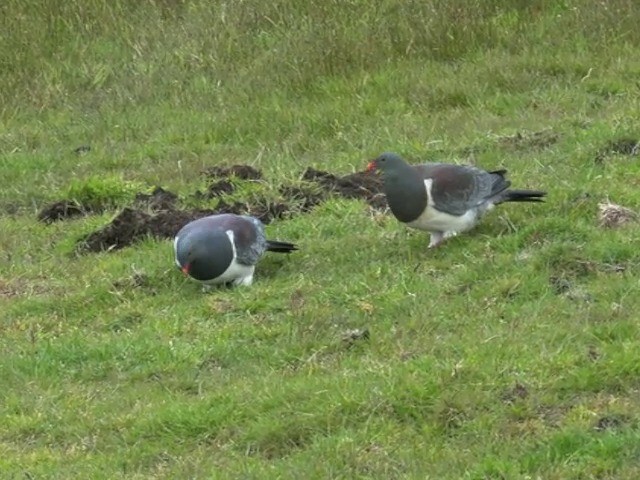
(280, 247)
(523, 196)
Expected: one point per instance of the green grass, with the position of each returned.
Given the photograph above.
(114, 366)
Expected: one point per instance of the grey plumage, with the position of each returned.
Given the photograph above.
(444, 199)
(224, 248)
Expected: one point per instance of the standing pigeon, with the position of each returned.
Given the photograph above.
(441, 198)
(223, 248)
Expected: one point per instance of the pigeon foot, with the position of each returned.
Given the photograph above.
(244, 281)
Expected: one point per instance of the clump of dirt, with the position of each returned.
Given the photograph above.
(61, 210)
(266, 211)
(243, 172)
(621, 146)
(362, 185)
(82, 149)
(611, 215)
(611, 422)
(222, 184)
(221, 187)
(131, 225)
(158, 200)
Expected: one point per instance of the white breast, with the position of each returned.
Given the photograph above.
(433, 220)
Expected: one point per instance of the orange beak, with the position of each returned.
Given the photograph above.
(371, 167)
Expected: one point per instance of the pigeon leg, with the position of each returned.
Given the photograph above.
(246, 280)
(436, 239)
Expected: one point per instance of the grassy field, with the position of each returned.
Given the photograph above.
(511, 352)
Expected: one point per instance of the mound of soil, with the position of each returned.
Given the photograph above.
(157, 201)
(157, 215)
(221, 187)
(363, 185)
(61, 210)
(132, 225)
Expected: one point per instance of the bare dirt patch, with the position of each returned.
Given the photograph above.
(362, 185)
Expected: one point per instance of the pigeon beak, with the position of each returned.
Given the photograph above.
(186, 269)
(372, 167)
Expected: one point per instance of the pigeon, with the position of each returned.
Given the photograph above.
(223, 248)
(444, 199)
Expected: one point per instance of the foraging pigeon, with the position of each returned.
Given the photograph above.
(444, 199)
(223, 248)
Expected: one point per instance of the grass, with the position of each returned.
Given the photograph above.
(512, 352)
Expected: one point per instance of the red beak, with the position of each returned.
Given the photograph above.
(186, 269)
(371, 167)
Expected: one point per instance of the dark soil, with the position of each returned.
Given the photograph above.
(221, 187)
(131, 225)
(61, 210)
(159, 200)
(363, 185)
(157, 214)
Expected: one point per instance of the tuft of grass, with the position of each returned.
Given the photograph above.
(104, 192)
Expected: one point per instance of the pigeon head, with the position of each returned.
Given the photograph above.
(403, 186)
(204, 254)
(387, 162)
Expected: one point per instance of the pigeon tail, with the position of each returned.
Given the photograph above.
(280, 247)
(522, 196)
